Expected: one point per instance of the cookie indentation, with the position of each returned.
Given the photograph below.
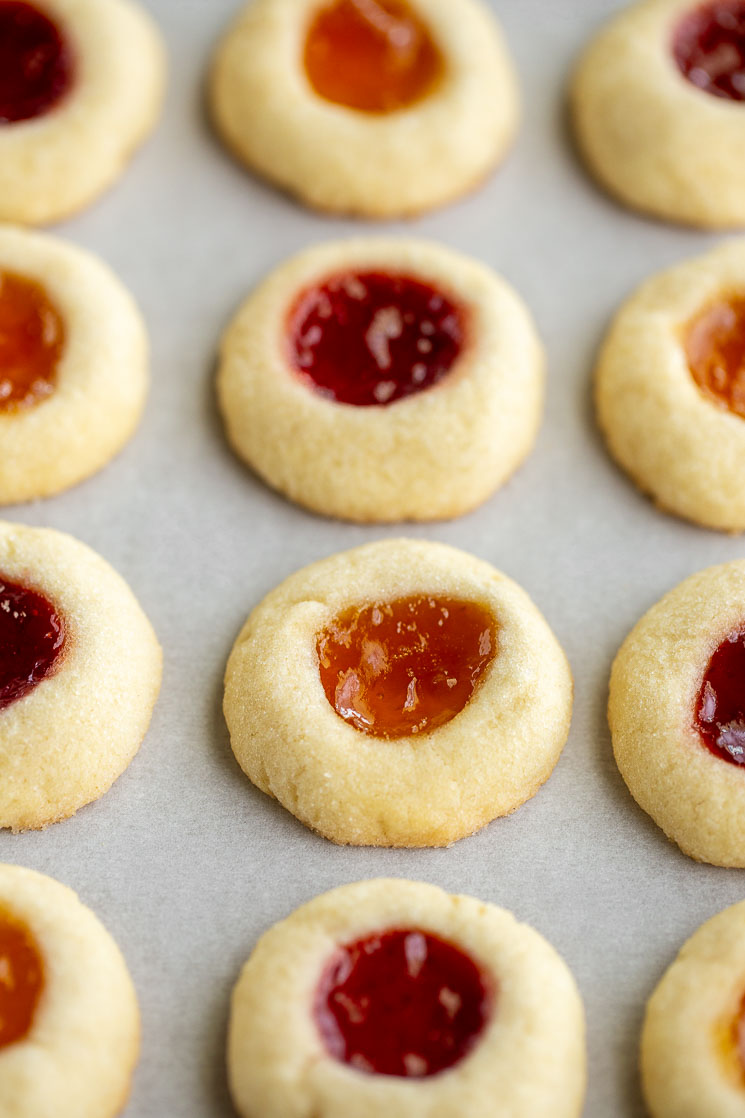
(32, 638)
(715, 350)
(21, 979)
(709, 48)
(32, 337)
(36, 64)
(720, 707)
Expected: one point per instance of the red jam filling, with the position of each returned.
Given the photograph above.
(36, 68)
(32, 337)
(709, 48)
(32, 636)
(720, 707)
(21, 979)
(405, 667)
(401, 1003)
(715, 348)
(369, 338)
(376, 56)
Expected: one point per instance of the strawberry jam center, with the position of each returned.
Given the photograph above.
(36, 67)
(720, 707)
(405, 667)
(401, 1003)
(21, 979)
(32, 336)
(32, 636)
(709, 48)
(370, 338)
(715, 349)
(376, 56)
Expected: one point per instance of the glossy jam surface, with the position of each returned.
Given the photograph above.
(405, 666)
(21, 979)
(715, 349)
(32, 637)
(376, 56)
(372, 338)
(32, 337)
(36, 68)
(720, 706)
(709, 48)
(401, 1003)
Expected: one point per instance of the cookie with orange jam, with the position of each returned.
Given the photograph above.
(80, 672)
(659, 109)
(392, 997)
(69, 1020)
(80, 87)
(374, 107)
(73, 365)
(382, 380)
(403, 666)
(670, 388)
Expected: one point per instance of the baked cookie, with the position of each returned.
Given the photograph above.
(677, 714)
(693, 1042)
(382, 380)
(79, 675)
(73, 365)
(69, 1021)
(658, 109)
(80, 87)
(392, 997)
(373, 107)
(670, 388)
(399, 665)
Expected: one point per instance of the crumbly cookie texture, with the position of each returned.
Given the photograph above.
(432, 455)
(77, 1060)
(66, 741)
(372, 164)
(449, 782)
(102, 376)
(531, 1055)
(651, 137)
(684, 449)
(55, 164)
(691, 1067)
(697, 798)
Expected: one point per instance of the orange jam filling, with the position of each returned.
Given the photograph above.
(729, 1036)
(405, 667)
(21, 979)
(376, 56)
(715, 349)
(32, 336)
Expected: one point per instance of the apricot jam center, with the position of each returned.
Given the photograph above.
(720, 707)
(715, 348)
(370, 338)
(32, 337)
(401, 1003)
(376, 56)
(21, 979)
(32, 637)
(36, 67)
(406, 666)
(709, 48)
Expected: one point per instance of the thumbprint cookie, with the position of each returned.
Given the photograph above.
(79, 675)
(400, 694)
(677, 714)
(374, 107)
(670, 388)
(693, 1041)
(69, 1020)
(393, 997)
(659, 109)
(382, 380)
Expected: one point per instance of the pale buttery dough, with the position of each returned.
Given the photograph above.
(697, 798)
(55, 164)
(102, 374)
(683, 448)
(650, 136)
(64, 743)
(529, 1062)
(431, 455)
(449, 782)
(78, 1057)
(690, 1067)
(345, 160)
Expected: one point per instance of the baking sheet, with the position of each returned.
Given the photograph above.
(185, 862)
